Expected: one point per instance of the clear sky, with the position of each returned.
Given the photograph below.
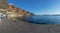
(38, 7)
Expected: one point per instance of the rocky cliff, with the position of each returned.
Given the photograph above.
(3, 4)
(13, 10)
(20, 12)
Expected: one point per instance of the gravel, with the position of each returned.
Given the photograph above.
(9, 26)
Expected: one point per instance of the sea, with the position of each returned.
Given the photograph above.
(41, 19)
(44, 19)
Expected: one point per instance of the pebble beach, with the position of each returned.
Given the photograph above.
(9, 26)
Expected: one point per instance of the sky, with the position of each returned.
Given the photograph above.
(38, 7)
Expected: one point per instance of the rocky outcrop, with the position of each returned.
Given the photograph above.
(12, 11)
(20, 12)
(3, 4)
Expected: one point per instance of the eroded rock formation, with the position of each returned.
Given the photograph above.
(3, 4)
(20, 12)
(13, 10)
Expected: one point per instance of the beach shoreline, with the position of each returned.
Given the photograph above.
(25, 27)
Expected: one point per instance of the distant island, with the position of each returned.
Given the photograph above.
(50, 15)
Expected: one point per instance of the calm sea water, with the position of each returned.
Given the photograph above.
(44, 19)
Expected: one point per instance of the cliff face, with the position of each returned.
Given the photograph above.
(3, 4)
(14, 10)
(20, 12)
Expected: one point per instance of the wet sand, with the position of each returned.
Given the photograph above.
(9, 26)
